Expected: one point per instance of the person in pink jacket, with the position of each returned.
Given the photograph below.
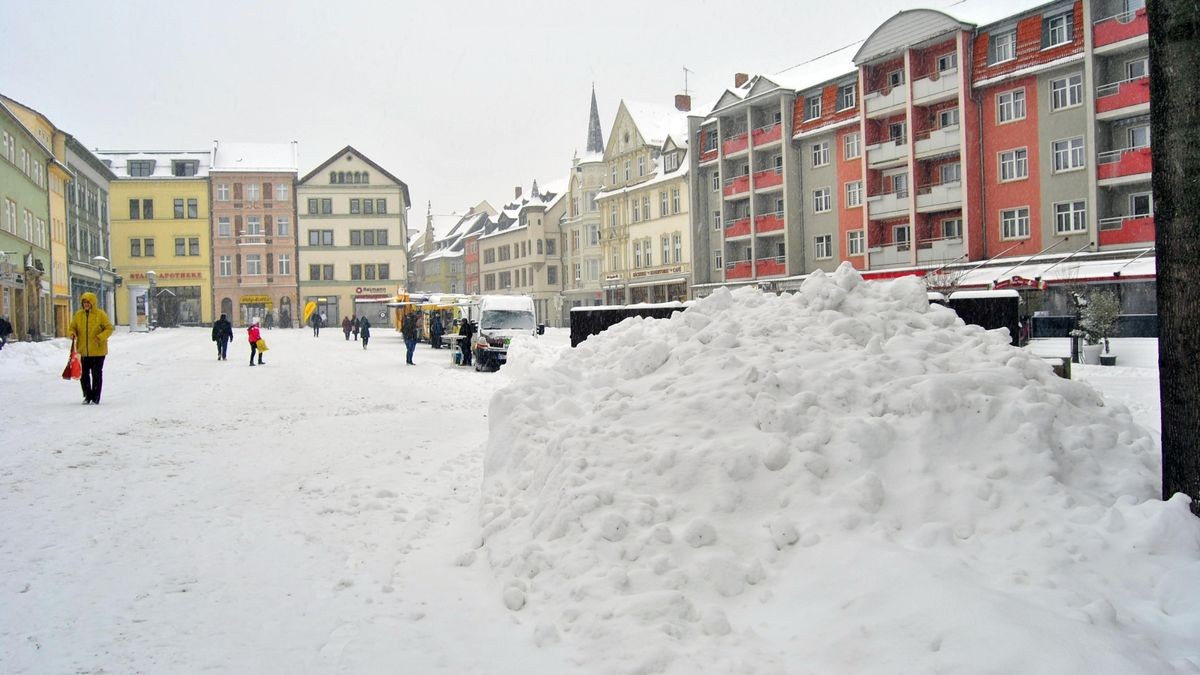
(254, 335)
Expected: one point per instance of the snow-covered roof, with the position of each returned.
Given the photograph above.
(818, 70)
(658, 175)
(984, 12)
(658, 122)
(118, 162)
(276, 157)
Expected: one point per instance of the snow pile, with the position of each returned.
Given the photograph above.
(846, 479)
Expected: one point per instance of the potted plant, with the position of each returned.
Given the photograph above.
(1097, 322)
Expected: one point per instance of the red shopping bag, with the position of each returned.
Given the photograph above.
(74, 369)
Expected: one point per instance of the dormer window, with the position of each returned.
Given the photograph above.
(184, 167)
(140, 168)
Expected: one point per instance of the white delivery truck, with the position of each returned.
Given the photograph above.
(501, 318)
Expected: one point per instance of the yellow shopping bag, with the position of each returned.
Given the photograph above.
(261, 345)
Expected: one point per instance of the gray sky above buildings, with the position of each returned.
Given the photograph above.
(461, 100)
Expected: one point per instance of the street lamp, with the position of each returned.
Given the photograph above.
(150, 300)
(104, 267)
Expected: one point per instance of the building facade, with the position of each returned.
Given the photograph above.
(353, 229)
(583, 257)
(25, 291)
(159, 207)
(253, 230)
(520, 251)
(89, 257)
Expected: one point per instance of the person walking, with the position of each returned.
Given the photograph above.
(467, 330)
(89, 332)
(315, 320)
(408, 328)
(254, 335)
(354, 326)
(436, 330)
(346, 327)
(364, 328)
(6, 329)
(222, 334)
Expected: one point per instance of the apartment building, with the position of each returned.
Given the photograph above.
(646, 236)
(254, 250)
(25, 290)
(986, 133)
(353, 228)
(89, 257)
(583, 257)
(160, 236)
(521, 251)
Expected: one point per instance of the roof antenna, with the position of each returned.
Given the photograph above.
(685, 74)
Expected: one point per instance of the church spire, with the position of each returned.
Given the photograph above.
(595, 141)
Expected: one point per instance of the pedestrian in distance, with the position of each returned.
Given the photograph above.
(254, 335)
(222, 334)
(364, 328)
(269, 321)
(436, 330)
(346, 327)
(6, 329)
(467, 330)
(315, 320)
(408, 328)
(354, 326)
(89, 332)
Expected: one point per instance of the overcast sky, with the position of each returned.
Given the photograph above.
(461, 100)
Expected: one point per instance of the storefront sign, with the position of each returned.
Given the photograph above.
(1020, 282)
(372, 290)
(256, 300)
(612, 277)
(168, 275)
(662, 270)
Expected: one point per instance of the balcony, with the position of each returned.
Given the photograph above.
(887, 101)
(939, 250)
(1128, 165)
(770, 267)
(737, 227)
(768, 134)
(890, 256)
(742, 269)
(252, 240)
(888, 205)
(939, 141)
(768, 179)
(736, 186)
(939, 197)
(735, 144)
(888, 153)
(769, 222)
(1113, 99)
(1123, 26)
(1137, 229)
(936, 88)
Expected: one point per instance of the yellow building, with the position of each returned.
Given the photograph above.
(58, 175)
(159, 209)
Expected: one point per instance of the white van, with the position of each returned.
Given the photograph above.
(501, 318)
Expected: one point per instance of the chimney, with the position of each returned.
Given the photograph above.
(739, 79)
(517, 192)
(683, 102)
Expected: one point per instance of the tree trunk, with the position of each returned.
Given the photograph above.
(1175, 130)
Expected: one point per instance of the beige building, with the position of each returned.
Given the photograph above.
(520, 252)
(583, 257)
(645, 231)
(353, 231)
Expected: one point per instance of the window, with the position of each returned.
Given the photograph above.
(327, 271)
(254, 225)
(1014, 223)
(193, 208)
(716, 221)
(225, 266)
(254, 264)
(897, 184)
(850, 146)
(718, 261)
(382, 270)
(947, 62)
(637, 253)
(135, 209)
(193, 246)
(1070, 217)
(139, 168)
(326, 207)
(674, 200)
(1137, 68)
(184, 167)
(1014, 165)
(812, 107)
(716, 181)
(895, 78)
(135, 248)
(637, 209)
(854, 193)
(677, 247)
(593, 234)
(1068, 154)
(950, 173)
(1066, 92)
(952, 228)
(285, 264)
(821, 200)
(551, 246)
(855, 243)
(355, 206)
(1058, 30)
(320, 237)
(641, 166)
(614, 173)
(1002, 47)
(222, 192)
(1139, 136)
(823, 246)
(314, 272)
(662, 202)
(223, 228)
(820, 153)
(1141, 204)
(178, 208)
(312, 207)
(283, 227)
(646, 207)
(253, 191)
(381, 206)
(646, 251)
(148, 248)
(665, 242)
(180, 246)
(896, 131)
(626, 169)
(1010, 106)
(948, 118)
(846, 98)
(900, 235)
(281, 192)
(593, 268)
(356, 272)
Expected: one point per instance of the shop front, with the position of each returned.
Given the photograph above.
(658, 285)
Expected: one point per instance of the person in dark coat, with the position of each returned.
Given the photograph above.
(315, 320)
(436, 330)
(467, 330)
(364, 329)
(408, 328)
(346, 327)
(354, 326)
(222, 334)
(6, 329)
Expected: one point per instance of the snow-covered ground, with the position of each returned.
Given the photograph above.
(843, 481)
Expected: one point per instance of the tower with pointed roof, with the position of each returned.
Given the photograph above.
(595, 140)
(581, 269)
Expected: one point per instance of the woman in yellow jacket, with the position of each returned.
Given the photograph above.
(89, 330)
